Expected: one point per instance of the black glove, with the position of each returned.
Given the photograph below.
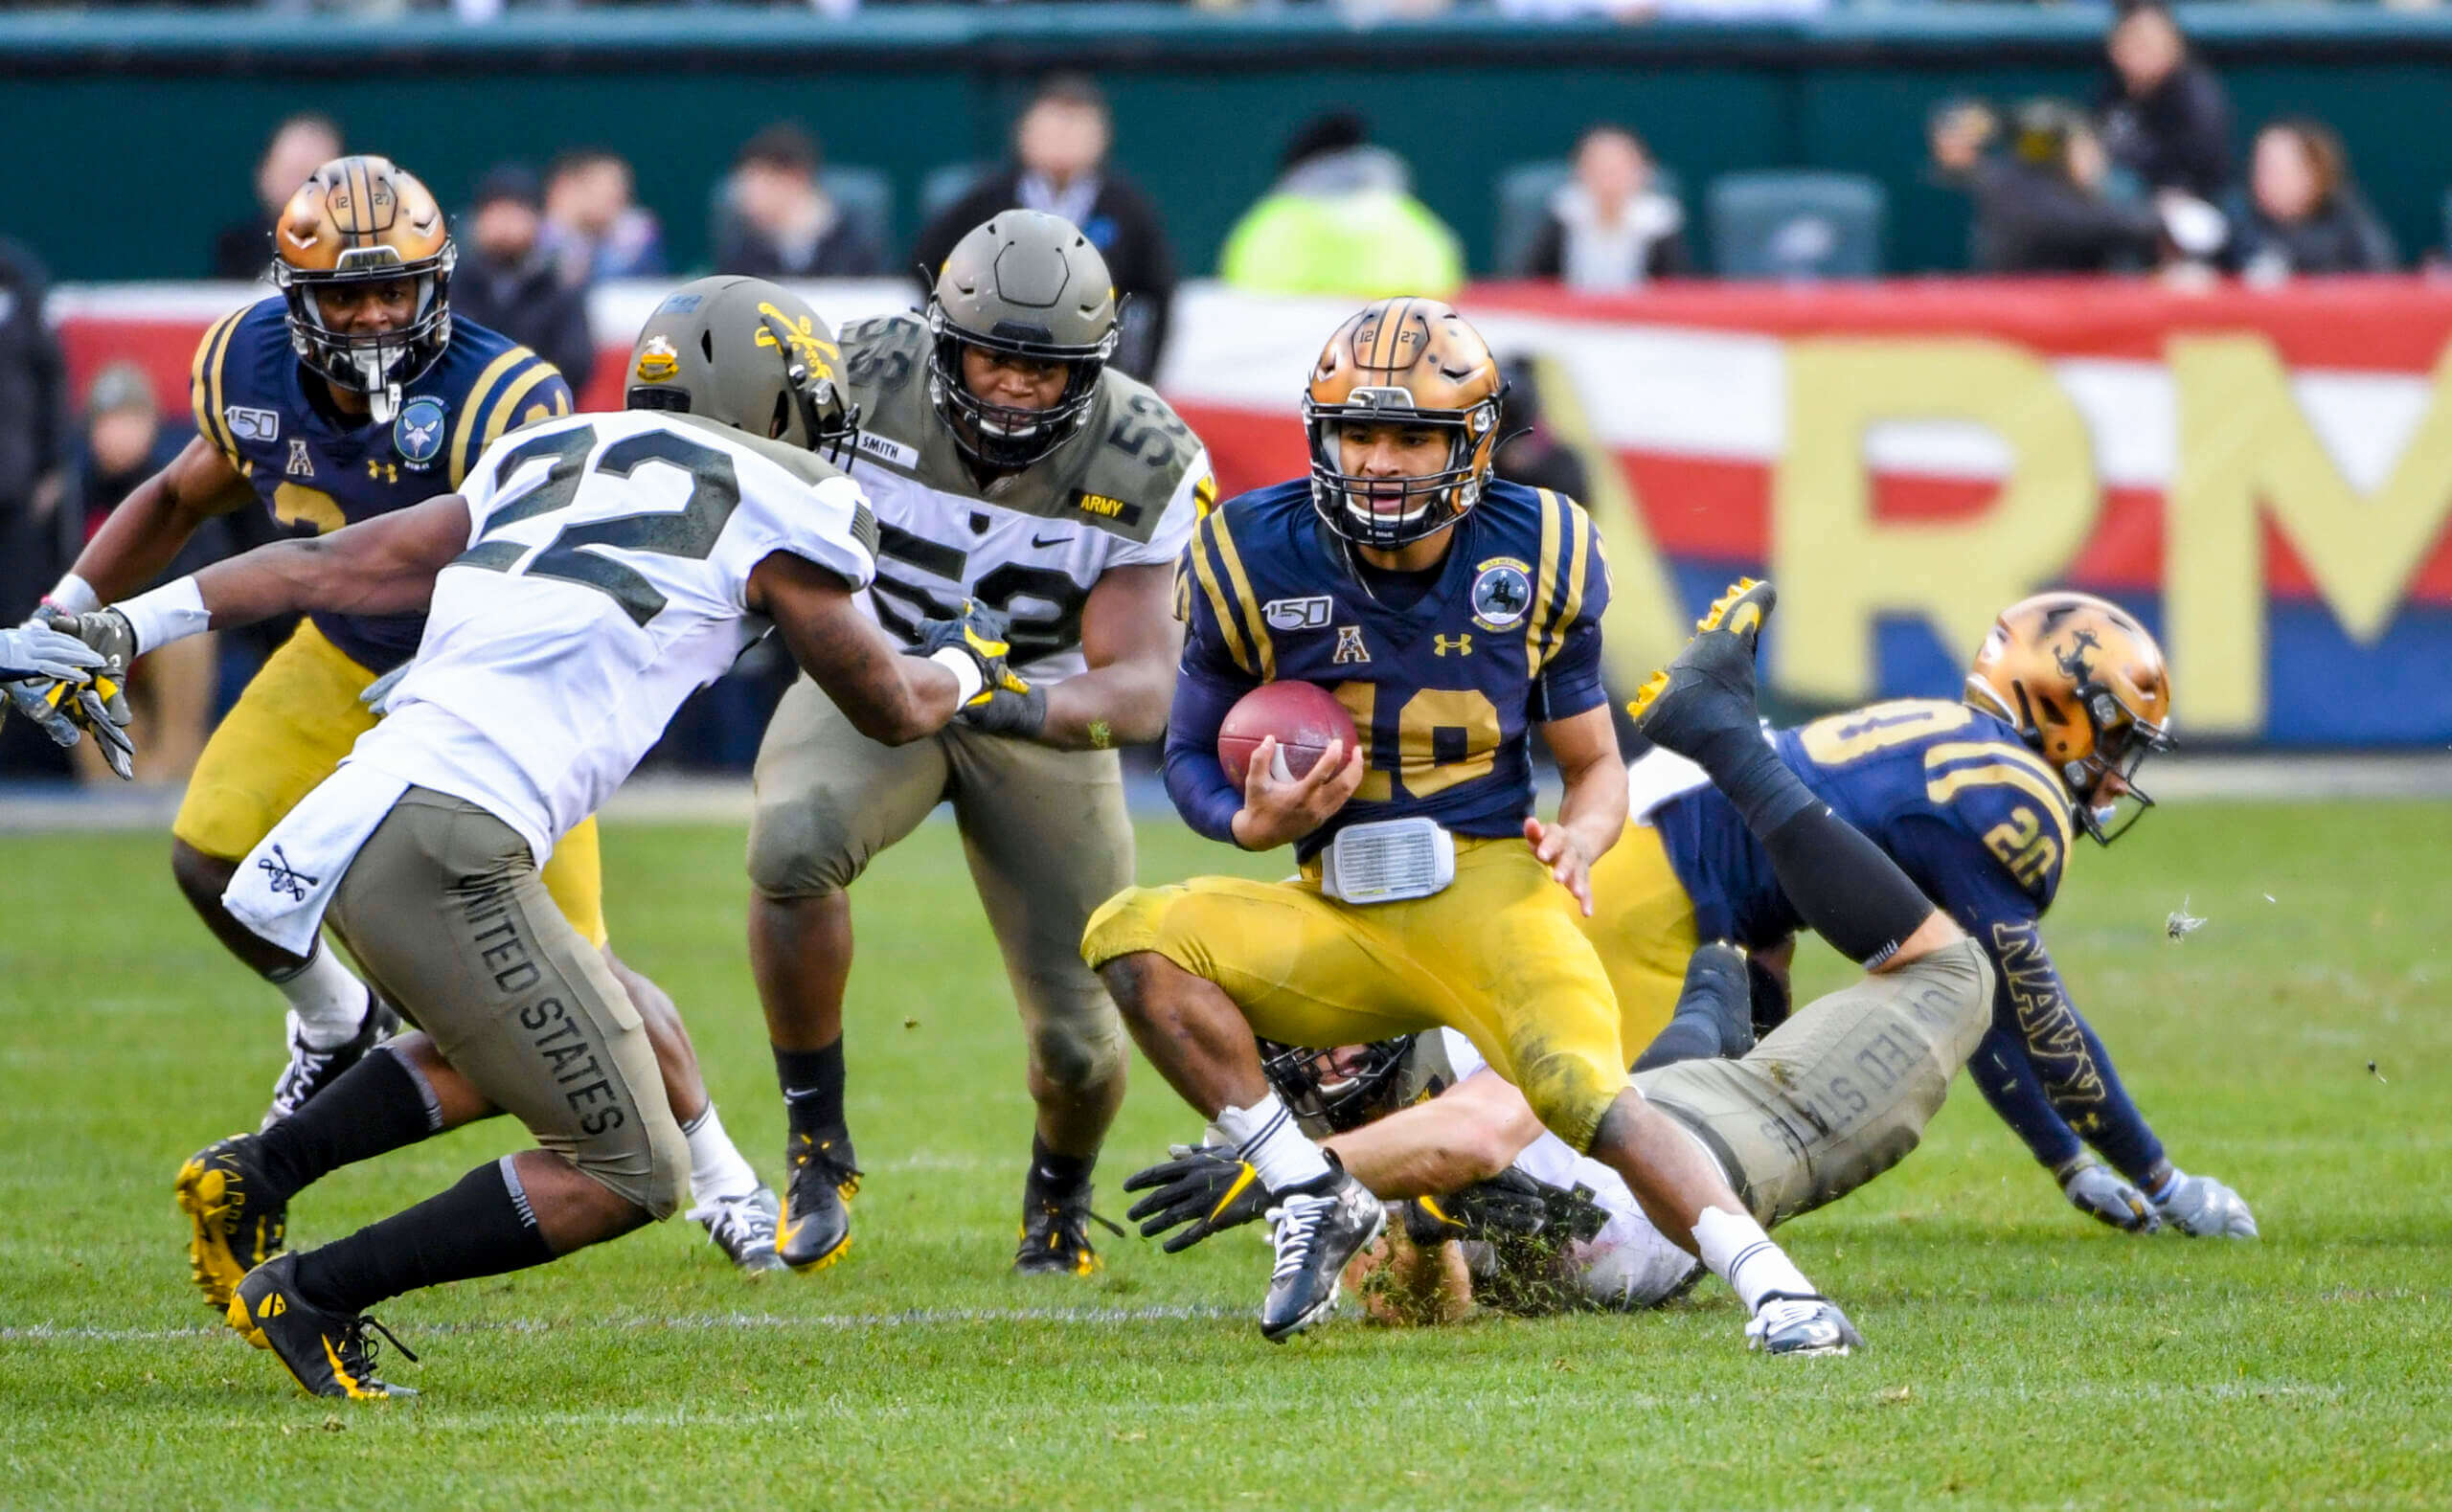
(1207, 1186)
(979, 632)
(1508, 1204)
(1021, 716)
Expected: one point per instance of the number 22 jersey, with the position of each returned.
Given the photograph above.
(605, 580)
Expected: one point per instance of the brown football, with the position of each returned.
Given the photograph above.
(1303, 716)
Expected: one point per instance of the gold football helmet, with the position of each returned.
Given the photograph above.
(364, 221)
(2085, 686)
(1416, 363)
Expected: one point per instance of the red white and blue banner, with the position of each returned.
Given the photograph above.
(2264, 475)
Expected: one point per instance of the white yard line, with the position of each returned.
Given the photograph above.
(911, 1318)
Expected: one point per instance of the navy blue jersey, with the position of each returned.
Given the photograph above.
(317, 470)
(1964, 808)
(1443, 692)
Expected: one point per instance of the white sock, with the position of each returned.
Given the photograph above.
(1740, 1253)
(1265, 1134)
(330, 1003)
(717, 1170)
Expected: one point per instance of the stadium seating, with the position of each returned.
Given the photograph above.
(1522, 197)
(1778, 224)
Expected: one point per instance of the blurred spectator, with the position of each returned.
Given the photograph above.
(33, 422)
(1341, 219)
(1609, 228)
(1529, 452)
(778, 222)
(507, 280)
(592, 228)
(123, 444)
(1061, 165)
(299, 146)
(2165, 117)
(2040, 207)
(2302, 214)
(1960, 131)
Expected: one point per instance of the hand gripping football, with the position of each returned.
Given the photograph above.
(1305, 717)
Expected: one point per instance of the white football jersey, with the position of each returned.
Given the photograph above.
(948, 547)
(605, 580)
(1629, 1263)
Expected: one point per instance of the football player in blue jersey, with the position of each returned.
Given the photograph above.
(352, 392)
(1451, 614)
(1980, 801)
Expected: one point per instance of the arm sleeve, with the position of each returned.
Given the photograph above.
(1207, 686)
(2041, 1066)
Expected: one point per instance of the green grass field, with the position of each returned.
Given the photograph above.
(2022, 1356)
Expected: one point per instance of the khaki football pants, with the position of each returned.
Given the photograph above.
(1046, 833)
(1840, 1092)
(444, 909)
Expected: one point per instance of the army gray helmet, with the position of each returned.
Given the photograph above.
(1027, 284)
(749, 354)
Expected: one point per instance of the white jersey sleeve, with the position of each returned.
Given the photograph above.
(1192, 499)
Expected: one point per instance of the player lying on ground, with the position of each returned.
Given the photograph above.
(1979, 803)
(1008, 465)
(1498, 1209)
(599, 570)
(350, 394)
(1401, 574)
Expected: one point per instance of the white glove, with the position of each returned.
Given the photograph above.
(33, 651)
(2094, 1188)
(2204, 1208)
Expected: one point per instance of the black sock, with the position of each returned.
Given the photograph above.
(1057, 1175)
(1689, 1037)
(1847, 891)
(376, 1105)
(480, 1226)
(813, 1082)
(1714, 1009)
(1766, 791)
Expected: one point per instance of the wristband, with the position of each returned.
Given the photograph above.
(171, 612)
(968, 679)
(72, 594)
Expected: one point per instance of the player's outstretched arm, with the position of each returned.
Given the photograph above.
(889, 696)
(151, 524)
(1132, 643)
(384, 566)
(1593, 814)
(1469, 1133)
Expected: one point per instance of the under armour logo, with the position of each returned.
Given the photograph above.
(282, 877)
(1442, 645)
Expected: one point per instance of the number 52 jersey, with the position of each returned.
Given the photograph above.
(605, 580)
(1123, 491)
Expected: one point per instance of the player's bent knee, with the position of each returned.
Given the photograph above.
(1130, 923)
(200, 877)
(643, 1159)
(1074, 1055)
(1569, 1094)
(795, 853)
(1953, 987)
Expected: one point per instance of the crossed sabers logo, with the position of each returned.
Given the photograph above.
(807, 346)
(282, 877)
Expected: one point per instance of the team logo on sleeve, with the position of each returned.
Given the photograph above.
(416, 435)
(1297, 614)
(1501, 593)
(253, 425)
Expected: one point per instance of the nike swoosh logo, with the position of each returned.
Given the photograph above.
(1050, 540)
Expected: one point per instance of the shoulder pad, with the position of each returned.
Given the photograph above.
(1140, 448)
(2003, 794)
(883, 353)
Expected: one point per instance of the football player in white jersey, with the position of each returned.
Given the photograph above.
(1008, 465)
(593, 573)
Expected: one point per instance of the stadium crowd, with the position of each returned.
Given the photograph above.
(2144, 180)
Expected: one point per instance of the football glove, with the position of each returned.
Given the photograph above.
(1020, 715)
(1508, 1205)
(979, 632)
(2094, 1188)
(2204, 1208)
(1206, 1187)
(92, 701)
(36, 650)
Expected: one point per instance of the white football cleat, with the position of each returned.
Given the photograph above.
(1789, 1324)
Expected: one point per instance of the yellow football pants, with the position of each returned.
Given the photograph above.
(1498, 956)
(298, 717)
(1643, 925)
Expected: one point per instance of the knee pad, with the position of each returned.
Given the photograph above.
(1080, 1048)
(794, 852)
(668, 1169)
(646, 1167)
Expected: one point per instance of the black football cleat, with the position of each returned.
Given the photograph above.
(815, 1230)
(311, 1071)
(1056, 1230)
(1319, 1226)
(326, 1353)
(235, 1220)
(1709, 688)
